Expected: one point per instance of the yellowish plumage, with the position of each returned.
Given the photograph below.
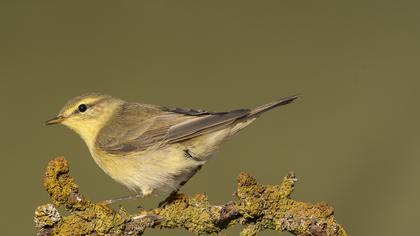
(150, 148)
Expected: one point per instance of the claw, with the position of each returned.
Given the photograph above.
(168, 200)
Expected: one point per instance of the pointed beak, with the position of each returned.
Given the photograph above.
(55, 120)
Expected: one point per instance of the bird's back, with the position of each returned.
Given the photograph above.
(150, 148)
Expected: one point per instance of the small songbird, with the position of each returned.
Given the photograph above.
(151, 148)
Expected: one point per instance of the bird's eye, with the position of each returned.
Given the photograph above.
(82, 107)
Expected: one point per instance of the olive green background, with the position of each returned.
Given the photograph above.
(352, 138)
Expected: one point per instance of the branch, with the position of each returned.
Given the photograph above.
(257, 207)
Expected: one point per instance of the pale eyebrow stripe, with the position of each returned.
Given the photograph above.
(89, 105)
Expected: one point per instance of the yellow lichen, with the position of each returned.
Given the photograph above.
(257, 207)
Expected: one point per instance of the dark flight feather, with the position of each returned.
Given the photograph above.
(138, 127)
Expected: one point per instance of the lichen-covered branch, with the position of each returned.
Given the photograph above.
(257, 207)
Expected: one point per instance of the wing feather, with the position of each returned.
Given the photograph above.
(136, 129)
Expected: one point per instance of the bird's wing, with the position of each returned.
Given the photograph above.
(135, 130)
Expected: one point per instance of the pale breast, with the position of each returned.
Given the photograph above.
(160, 170)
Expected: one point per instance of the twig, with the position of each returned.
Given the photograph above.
(257, 207)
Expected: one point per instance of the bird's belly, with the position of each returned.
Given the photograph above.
(149, 171)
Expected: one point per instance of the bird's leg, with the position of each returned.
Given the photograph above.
(173, 194)
(169, 199)
(130, 197)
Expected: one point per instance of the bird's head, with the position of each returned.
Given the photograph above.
(87, 114)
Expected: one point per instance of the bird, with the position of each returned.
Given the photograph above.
(150, 148)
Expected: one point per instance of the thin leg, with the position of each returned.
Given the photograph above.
(169, 199)
(187, 176)
(107, 202)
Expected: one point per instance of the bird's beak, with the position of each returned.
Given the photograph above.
(55, 120)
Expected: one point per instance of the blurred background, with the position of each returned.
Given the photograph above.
(352, 138)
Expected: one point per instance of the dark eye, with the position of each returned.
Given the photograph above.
(82, 107)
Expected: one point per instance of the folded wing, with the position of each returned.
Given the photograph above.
(132, 131)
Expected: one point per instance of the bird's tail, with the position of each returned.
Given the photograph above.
(266, 107)
(253, 114)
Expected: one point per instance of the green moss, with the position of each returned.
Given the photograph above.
(74, 225)
(86, 217)
(98, 219)
(57, 182)
(250, 230)
(257, 206)
(197, 214)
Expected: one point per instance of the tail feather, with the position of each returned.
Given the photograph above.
(266, 107)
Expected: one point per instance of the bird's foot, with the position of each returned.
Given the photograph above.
(173, 196)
